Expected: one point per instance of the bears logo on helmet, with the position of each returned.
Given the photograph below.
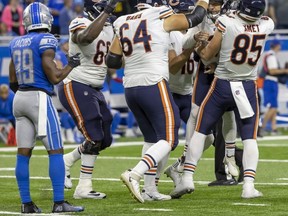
(181, 6)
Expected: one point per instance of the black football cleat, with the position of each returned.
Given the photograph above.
(230, 182)
(66, 207)
(29, 208)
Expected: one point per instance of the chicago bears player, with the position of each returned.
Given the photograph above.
(240, 39)
(33, 73)
(201, 86)
(143, 40)
(80, 93)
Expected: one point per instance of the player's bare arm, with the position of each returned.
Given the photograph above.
(54, 74)
(12, 77)
(179, 22)
(115, 54)
(213, 47)
(177, 62)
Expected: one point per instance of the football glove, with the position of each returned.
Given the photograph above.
(110, 6)
(74, 61)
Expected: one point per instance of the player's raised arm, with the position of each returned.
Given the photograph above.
(54, 74)
(89, 34)
(178, 22)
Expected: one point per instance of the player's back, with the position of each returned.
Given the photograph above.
(27, 53)
(93, 69)
(242, 45)
(145, 46)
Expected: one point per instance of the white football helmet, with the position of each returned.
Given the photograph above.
(37, 16)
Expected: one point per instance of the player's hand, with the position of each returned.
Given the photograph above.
(110, 6)
(210, 69)
(74, 61)
(201, 36)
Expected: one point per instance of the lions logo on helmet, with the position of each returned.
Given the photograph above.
(37, 16)
(181, 6)
(251, 10)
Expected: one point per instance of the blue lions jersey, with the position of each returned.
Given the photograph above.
(26, 52)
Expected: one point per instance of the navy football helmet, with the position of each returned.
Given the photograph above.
(92, 9)
(152, 3)
(251, 10)
(181, 6)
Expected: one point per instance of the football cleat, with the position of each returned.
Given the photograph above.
(132, 185)
(154, 196)
(29, 208)
(185, 186)
(83, 193)
(68, 182)
(172, 173)
(231, 165)
(66, 207)
(250, 192)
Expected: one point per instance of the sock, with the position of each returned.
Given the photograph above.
(194, 153)
(22, 176)
(250, 159)
(153, 155)
(156, 181)
(145, 147)
(57, 176)
(87, 166)
(149, 179)
(73, 156)
(209, 141)
(161, 165)
(230, 149)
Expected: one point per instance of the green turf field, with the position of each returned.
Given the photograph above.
(272, 180)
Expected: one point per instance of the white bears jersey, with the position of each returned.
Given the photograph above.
(145, 46)
(93, 69)
(206, 25)
(242, 45)
(181, 82)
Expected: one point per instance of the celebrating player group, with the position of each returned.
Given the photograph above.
(160, 47)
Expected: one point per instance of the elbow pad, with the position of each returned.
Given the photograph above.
(196, 17)
(14, 86)
(113, 60)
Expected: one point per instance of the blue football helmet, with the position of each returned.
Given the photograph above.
(37, 16)
(251, 10)
(181, 6)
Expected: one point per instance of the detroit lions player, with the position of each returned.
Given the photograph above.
(32, 72)
(81, 94)
(143, 41)
(239, 39)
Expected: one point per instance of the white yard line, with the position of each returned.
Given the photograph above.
(153, 209)
(250, 204)
(17, 213)
(117, 180)
(7, 169)
(181, 142)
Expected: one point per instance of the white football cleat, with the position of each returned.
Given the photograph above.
(87, 193)
(172, 173)
(231, 164)
(154, 196)
(250, 192)
(185, 186)
(133, 186)
(68, 182)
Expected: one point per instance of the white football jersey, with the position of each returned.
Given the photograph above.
(242, 45)
(206, 25)
(145, 46)
(93, 69)
(181, 82)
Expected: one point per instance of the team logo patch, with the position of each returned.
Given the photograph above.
(237, 92)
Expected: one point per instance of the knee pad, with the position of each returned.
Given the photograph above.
(91, 148)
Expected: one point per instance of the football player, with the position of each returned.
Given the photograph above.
(240, 39)
(143, 41)
(81, 95)
(33, 72)
(203, 80)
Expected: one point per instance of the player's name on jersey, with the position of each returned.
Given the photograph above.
(137, 16)
(252, 28)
